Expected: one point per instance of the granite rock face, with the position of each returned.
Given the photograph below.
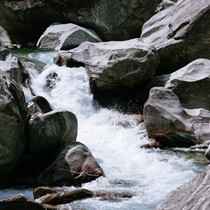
(180, 33)
(25, 21)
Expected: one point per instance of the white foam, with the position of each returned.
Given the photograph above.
(149, 174)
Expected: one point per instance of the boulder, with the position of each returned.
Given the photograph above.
(26, 20)
(181, 107)
(113, 67)
(73, 166)
(192, 195)
(21, 202)
(166, 121)
(191, 84)
(50, 131)
(65, 37)
(179, 34)
(12, 124)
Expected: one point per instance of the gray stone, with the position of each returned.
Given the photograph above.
(166, 121)
(180, 34)
(179, 111)
(113, 66)
(73, 166)
(191, 84)
(48, 132)
(65, 37)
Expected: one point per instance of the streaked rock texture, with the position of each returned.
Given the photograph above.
(180, 33)
(192, 195)
(26, 20)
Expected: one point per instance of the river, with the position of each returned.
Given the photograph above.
(150, 174)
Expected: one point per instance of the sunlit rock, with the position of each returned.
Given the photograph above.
(113, 67)
(73, 166)
(191, 84)
(180, 34)
(165, 4)
(65, 37)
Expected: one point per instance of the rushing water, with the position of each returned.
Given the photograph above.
(149, 174)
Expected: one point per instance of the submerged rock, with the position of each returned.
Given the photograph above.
(65, 37)
(73, 166)
(113, 67)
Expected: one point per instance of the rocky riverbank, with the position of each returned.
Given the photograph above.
(154, 54)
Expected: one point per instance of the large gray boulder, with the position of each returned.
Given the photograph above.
(113, 66)
(166, 121)
(12, 124)
(191, 84)
(65, 37)
(73, 166)
(192, 195)
(50, 131)
(178, 114)
(26, 20)
(180, 33)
